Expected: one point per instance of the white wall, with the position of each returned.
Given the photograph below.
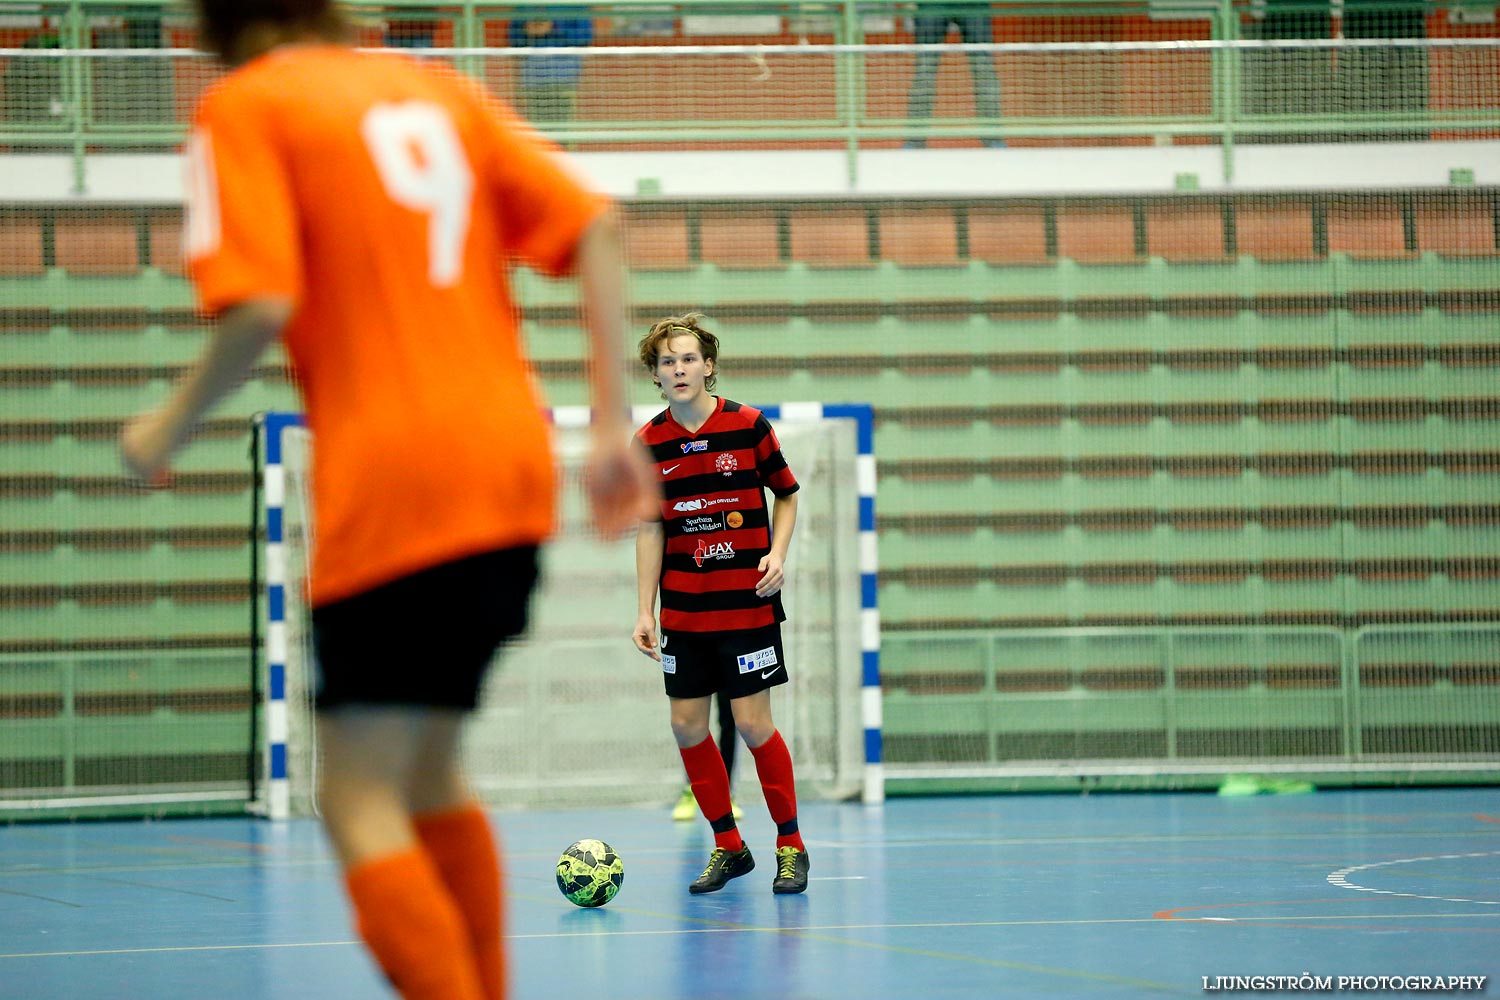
(153, 179)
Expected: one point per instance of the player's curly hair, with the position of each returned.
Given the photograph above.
(224, 23)
(674, 326)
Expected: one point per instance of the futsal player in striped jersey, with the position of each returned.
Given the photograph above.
(715, 554)
(362, 208)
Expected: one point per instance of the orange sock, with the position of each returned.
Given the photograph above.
(413, 927)
(462, 847)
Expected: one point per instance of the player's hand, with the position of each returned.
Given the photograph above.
(772, 578)
(620, 489)
(644, 636)
(146, 445)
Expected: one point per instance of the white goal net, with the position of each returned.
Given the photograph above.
(572, 714)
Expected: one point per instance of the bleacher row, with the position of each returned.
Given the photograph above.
(671, 235)
(936, 233)
(1211, 434)
(1241, 677)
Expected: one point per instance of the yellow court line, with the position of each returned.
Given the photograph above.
(1337, 916)
(179, 948)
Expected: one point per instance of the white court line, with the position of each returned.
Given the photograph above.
(1340, 878)
(813, 929)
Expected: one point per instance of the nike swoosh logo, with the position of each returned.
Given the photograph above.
(668, 472)
(767, 673)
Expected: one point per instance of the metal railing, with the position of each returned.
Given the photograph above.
(1221, 90)
(124, 735)
(1346, 690)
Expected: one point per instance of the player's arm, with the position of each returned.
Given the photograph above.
(149, 440)
(621, 490)
(649, 545)
(783, 520)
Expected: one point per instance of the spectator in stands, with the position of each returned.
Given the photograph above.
(1390, 80)
(932, 29)
(407, 33)
(33, 88)
(549, 84)
(133, 89)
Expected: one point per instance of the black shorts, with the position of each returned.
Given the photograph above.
(736, 664)
(425, 639)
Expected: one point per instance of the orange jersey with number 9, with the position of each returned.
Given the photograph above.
(385, 199)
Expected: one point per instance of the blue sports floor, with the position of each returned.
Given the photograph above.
(1130, 895)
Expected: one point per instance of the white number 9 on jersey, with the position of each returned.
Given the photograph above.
(423, 167)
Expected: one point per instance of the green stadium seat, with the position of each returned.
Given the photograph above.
(905, 550)
(953, 664)
(87, 559)
(152, 623)
(1467, 278)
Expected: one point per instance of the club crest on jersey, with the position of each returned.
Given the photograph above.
(726, 463)
(688, 446)
(714, 550)
(758, 660)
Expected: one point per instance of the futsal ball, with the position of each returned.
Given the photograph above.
(589, 873)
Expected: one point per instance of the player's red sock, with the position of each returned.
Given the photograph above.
(413, 927)
(461, 845)
(705, 771)
(773, 762)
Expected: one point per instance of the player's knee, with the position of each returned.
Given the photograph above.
(437, 789)
(755, 726)
(689, 727)
(689, 736)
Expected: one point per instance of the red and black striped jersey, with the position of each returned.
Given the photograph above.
(715, 520)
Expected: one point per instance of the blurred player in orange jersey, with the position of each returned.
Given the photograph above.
(363, 208)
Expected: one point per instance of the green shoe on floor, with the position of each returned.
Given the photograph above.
(687, 807)
(1241, 785)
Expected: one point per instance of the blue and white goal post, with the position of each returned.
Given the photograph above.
(575, 715)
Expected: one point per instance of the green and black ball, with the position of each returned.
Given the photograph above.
(589, 873)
